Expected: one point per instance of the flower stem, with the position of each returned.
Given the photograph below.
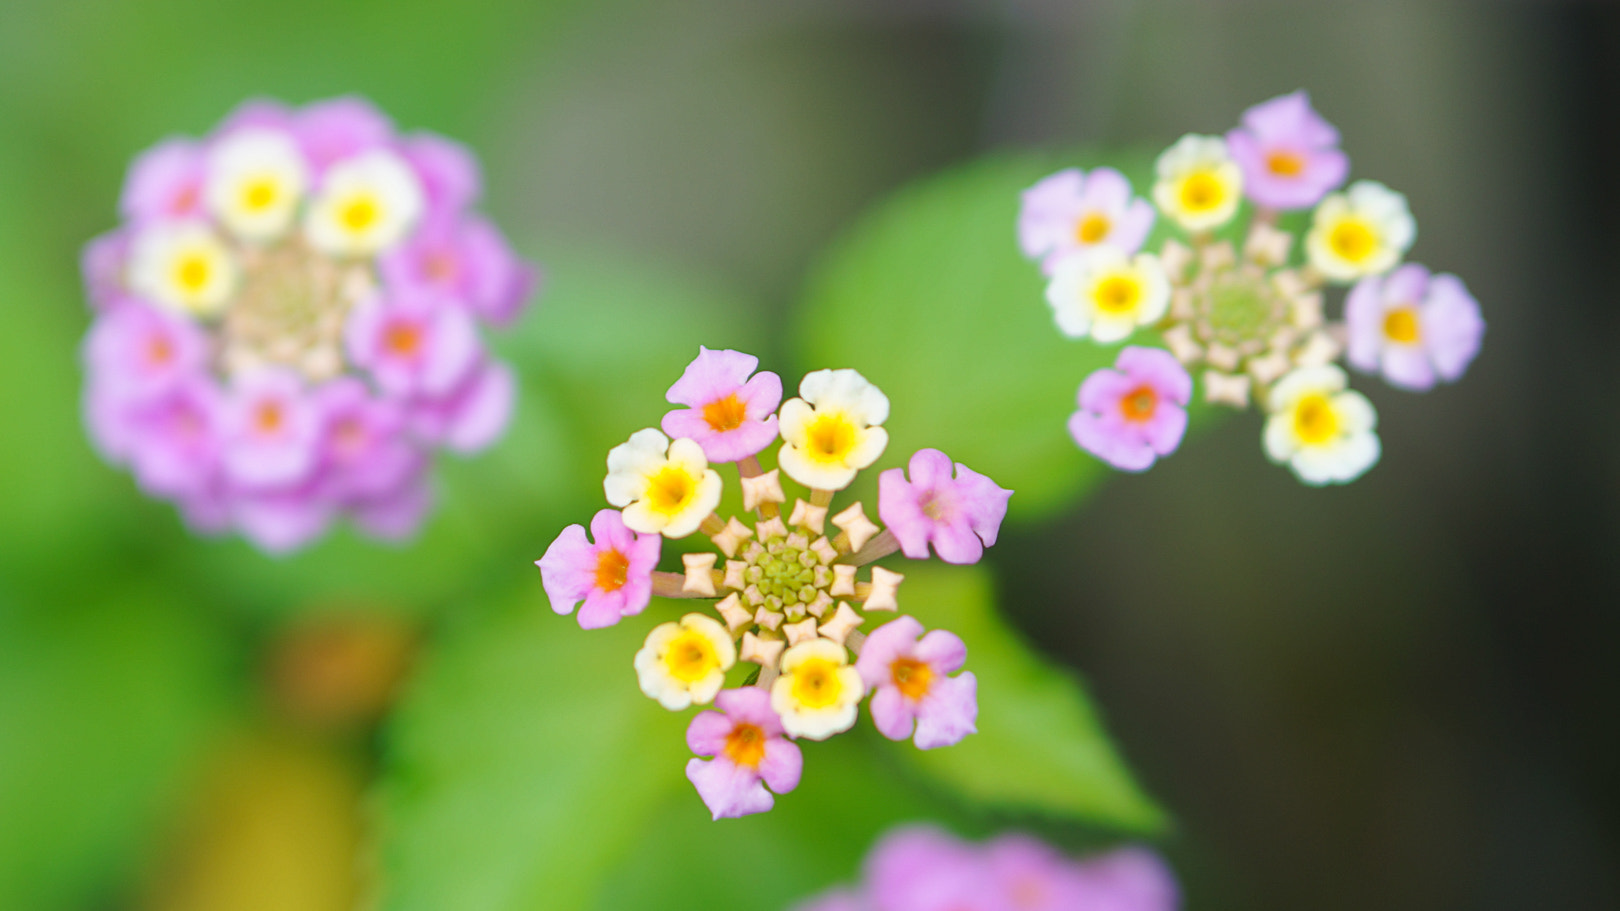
(882, 544)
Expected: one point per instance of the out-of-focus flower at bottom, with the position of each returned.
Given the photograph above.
(922, 868)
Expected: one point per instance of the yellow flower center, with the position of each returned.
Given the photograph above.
(1139, 404)
(670, 490)
(192, 272)
(1118, 294)
(1401, 325)
(1285, 164)
(1093, 228)
(360, 213)
(1202, 191)
(259, 195)
(1353, 240)
(745, 745)
(612, 569)
(911, 677)
(725, 414)
(816, 684)
(690, 657)
(1315, 421)
(829, 438)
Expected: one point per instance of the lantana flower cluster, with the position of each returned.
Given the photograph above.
(783, 583)
(922, 868)
(1239, 298)
(287, 321)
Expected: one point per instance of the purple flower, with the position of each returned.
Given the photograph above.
(473, 416)
(908, 681)
(272, 431)
(1289, 155)
(1031, 874)
(730, 414)
(165, 182)
(329, 131)
(1136, 412)
(397, 515)
(612, 576)
(102, 264)
(1414, 328)
(1072, 211)
(414, 345)
(1128, 879)
(281, 521)
(173, 443)
(365, 452)
(137, 353)
(746, 740)
(464, 260)
(922, 868)
(448, 171)
(959, 516)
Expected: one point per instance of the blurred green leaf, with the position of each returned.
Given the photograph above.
(523, 764)
(931, 300)
(103, 708)
(1041, 747)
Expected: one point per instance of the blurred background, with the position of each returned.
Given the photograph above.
(1401, 694)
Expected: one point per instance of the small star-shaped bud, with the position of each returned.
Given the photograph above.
(767, 618)
(885, 588)
(1267, 370)
(1181, 304)
(732, 536)
(1306, 310)
(803, 631)
(1221, 357)
(761, 650)
(824, 550)
(808, 516)
(1218, 256)
(734, 575)
(819, 604)
(1175, 257)
(771, 528)
(765, 488)
(1267, 245)
(843, 580)
(1319, 349)
(699, 574)
(1226, 389)
(853, 522)
(753, 596)
(1289, 282)
(753, 552)
(841, 625)
(736, 616)
(1181, 343)
(798, 541)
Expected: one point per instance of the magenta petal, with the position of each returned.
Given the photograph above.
(448, 171)
(1453, 326)
(892, 640)
(603, 609)
(165, 181)
(398, 516)
(279, 524)
(782, 765)
(454, 352)
(568, 569)
(1364, 323)
(1102, 390)
(478, 417)
(706, 735)
(956, 543)
(727, 789)
(943, 650)
(339, 128)
(750, 705)
(1407, 367)
(948, 712)
(892, 713)
(712, 375)
(1103, 439)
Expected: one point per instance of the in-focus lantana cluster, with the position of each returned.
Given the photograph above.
(920, 868)
(785, 581)
(286, 324)
(1234, 294)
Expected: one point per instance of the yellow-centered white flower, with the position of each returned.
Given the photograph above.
(663, 488)
(256, 179)
(817, 694)
(1106, 295)
(1319, 428)
(832, 430)
(365, 205)
(183, 266)
(1199, 185)
(1360, 232)
(685, 663)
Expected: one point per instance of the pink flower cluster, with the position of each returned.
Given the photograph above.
(788, 586)
(921, 868)
(286, 324)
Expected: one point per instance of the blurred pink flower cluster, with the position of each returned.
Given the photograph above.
(921, 868)
(287, 322)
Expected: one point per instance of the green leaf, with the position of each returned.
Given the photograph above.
(104, 705)
(1041, 748)
(523, 763)
(930, 298)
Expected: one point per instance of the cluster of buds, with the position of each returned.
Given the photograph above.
(286, 324)
(784, 580)
(922, 868)
(1245, 304)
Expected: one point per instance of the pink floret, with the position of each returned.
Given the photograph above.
(731, 411)
(947, 709)
(1289, 155)
(1052, 211)
(1136, 412)
(960, 516)
(1448, 327)
(572, 570)
(729, 788)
